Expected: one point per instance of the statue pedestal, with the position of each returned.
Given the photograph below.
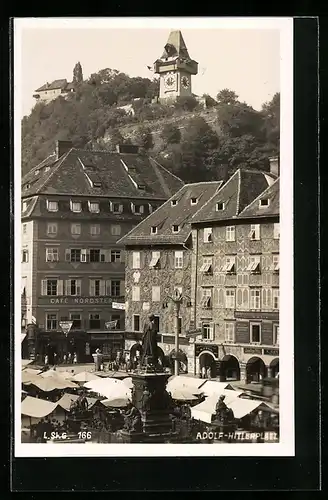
(152, 400)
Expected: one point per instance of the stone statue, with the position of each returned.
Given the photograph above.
(222, 413)
(132, 420)
(149, 343)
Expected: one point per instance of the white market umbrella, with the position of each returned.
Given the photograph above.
(48, 384)
(85, 377)
(116, 402)
(109, 388)
(128, 382)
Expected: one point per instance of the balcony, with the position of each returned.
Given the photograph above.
(86, 325)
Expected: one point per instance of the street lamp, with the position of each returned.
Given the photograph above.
(177, 300)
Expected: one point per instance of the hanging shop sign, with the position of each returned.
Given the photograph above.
(214, 349)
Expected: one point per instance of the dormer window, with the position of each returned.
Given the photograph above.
(137, 209)
(175, 228)
(265, 202)
(37, 172)
(174, 203)
(153, 230)
(96, 184)
(47, 169)
(24, 207)
(52, 206)
(27, 186)
(115, 208)
(220, 206)
(93, 207)
(76, 206)
(141, 187)
(194, 201)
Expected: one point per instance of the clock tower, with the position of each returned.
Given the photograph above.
(175, 69)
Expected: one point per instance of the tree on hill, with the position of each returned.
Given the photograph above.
(170, 134)
(226, 96)
(77, 74)
(271, 121)
(144, 138)
(186, 103)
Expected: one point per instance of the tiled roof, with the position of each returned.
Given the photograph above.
(255, 209)
(56, 84)
(236, 194)
(168, 215)
(119, 176)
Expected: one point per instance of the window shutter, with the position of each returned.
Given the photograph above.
(67, 255)
(122, 288)
(91, 288)
(121, 208)
(220, 297)
(102, 287)
(108, 287)
(103, 256)
(239, 298)
(106, 255)
(141, 209)
(122, 256)
(67, 287)
(245, 298)
(212, 328)
(132, 207)
(269, 299)
(60, 287)
(87, 255)
(43, 287)
(78, 287)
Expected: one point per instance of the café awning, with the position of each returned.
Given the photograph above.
(67, 399)
(37, 408)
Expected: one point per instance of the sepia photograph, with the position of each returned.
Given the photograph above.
(153, 237)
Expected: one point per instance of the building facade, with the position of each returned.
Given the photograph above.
(158, 268)
(50, 91)
(175, 68)
(235, 280)
(75, 206)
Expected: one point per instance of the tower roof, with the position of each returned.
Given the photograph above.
(175, 46)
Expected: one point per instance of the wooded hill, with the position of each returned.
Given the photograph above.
(196, 144)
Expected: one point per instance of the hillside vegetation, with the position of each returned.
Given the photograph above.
(193, 143)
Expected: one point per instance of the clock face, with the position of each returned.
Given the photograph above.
(169, 81)
(185, 82)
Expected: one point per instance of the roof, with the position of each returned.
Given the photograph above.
(37, 408)
(168, 215)
(236, 194)
(56, 84)
(240, 407)
(177, 45)
(67, 399)
(254, 209)
(119, 175)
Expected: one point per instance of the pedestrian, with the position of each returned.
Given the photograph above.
(46, 359)
(69, 358)
(75, 358)
(64, 358)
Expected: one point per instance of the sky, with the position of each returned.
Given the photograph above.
(244, 60)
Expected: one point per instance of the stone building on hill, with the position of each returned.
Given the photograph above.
(50, 91)
(76, 204)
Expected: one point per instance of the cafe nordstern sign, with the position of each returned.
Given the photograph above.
(74, 300)
(199, 348)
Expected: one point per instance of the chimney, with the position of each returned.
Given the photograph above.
(127, 149)
(62, 147)
(274, 165)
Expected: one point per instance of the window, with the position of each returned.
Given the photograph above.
(275, 263)
(275, 298)
(207, 265)
(24, 207)
(117, 319)
(115, 255)
(24, 228)
(156, 293)
(254, 233)
(137, 209)
(230, 233)
(177, 291)
(174, 203)
(265, 202)
(220, 206)
(51, 321)
(75, 255)
(95, 229)
(76, 229)
(115, 288)
(51, 287)
(150, 208)
(266, 298)
(136, 260)
(208, 331)
(208, 235)
(76, 206)
(175, 228)
(194, 201)
(254, 264)
(230, 264)
(115, 207)
(156, 323)
(136, 322)
(116, 229)
(73, 287)
(153, 230)
(94, 321)
(25, 256)
(136, 293)
(52, 228)
(255, 296)
(255, 333)
(230, 299)
(97, 288)
(207, 298)
(178, 259)
(94, 255)
(52, 206)
(275, 334)
(229, 332)
(76, 318)
(93, 207)
(52, 255)
(155, 257)
(276, 231)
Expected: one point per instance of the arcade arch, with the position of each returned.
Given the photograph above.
(230, 369)
(207, 365)
(255, 370)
